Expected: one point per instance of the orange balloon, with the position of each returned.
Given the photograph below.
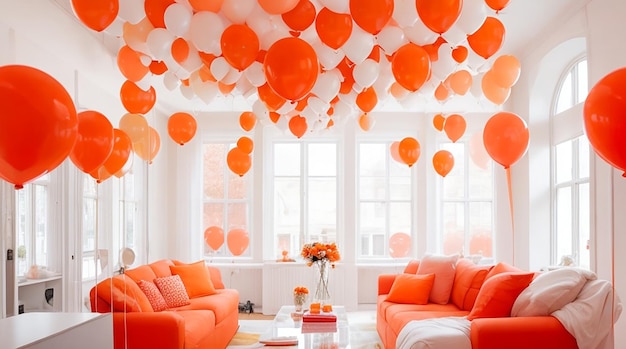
(409, 150)
(460, 81)
(38, 124)
(399, 245)
(443, 162)
(206, 5)
(157, 67)
(492, 91)
(148, 148)
(367, 100)
(120, 155)
(238, 161)
(454, 127)
(438, 15)
(274, 116)
(224, 88)
(180, 50)
(506, 71)
(94, 141)
(459, 54)
(366, 122)
(439, 121)
(135, 126)
(411, 66)
(96, 15)
(497, 5)
(240, 46)
(100, 174)
(247, 120)
(155, 11)
(214, 237)
(298, 125)
(371, 15)
(136, 100)
(346, 68)
(505, 137)
(271, 100)
(245, 144)
(395, 152)
(300, 17)
(237, 241)
(333, 28)
(181, 127)
(130, 65)
(274, 7)
(397, 91)
(441, 92)
(487, 40)
(291, 68)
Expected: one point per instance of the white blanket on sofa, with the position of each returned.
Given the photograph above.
(437, 333)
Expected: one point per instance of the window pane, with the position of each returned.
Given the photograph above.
(454, 182)
(563, 168)
(287, 159)
(24, 251)
(584, 260)
(372, 159)
(238, 215)
(453, 227)
(213, 215)
(480, 222)
(480, 181)
(89, 224)
(237, 186)
(564, 222)
(214, 161)
(372, 216)
(322, 159)
(565, 99)
(583, 88)
(41, 224)
(287, 214)
(583, 157)
(400, 188)
(322, 209)
(372, 188)
(400, 217)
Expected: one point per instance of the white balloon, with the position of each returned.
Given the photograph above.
(146, 82)
(472, 15)
(342, 111)
(419, 34)
(328, 57)
(327, 86)
(219, 68)
(255, 74)
(359, 45)
(260, 110)
(244, 87)
(286, 108)
(205, 32)
(455, 35)
(405, 13)
(116, 28)
(339, 6)
(272, 36)
(317, 105)
(207, 91)
(186, 91)
(170, 81)
(237, 11)
(193, 61)
(232, 76)
(145, 60)
(282, 123)
(444, 65)
(366, 73)
(259, 21)
(177, 19)
(132, 11)
(159, 43)
(391, 38)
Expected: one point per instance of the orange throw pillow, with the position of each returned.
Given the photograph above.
(195, 277)
(498, 293)
(154, 295)
(173, 291)
(444, 268)
(411, 288)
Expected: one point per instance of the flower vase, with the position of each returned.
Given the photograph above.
(322, 295)
(299, 300)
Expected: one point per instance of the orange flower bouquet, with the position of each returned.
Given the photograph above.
(300, 294)
(322, 255)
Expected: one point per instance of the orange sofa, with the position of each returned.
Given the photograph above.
(206, 318)
(467, 279)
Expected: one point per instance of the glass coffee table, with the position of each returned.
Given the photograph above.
(288, 325)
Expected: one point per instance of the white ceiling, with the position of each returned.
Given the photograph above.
(524, 21)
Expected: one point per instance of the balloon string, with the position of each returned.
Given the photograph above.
(510, 188)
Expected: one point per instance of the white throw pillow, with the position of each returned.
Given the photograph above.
(550, 291)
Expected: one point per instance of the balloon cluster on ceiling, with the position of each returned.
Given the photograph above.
(310, 62)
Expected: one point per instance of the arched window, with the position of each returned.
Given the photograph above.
(570, 170)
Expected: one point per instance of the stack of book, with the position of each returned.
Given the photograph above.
(319, 322)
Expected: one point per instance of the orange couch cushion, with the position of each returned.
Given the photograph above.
(411, 267)
(154, 295)
(195, 277)
(444, 268)
(468, 279)
(502, 267)
(411, 289)
(498, 293)
(161, 267)
(142, 272)
(123, 294)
